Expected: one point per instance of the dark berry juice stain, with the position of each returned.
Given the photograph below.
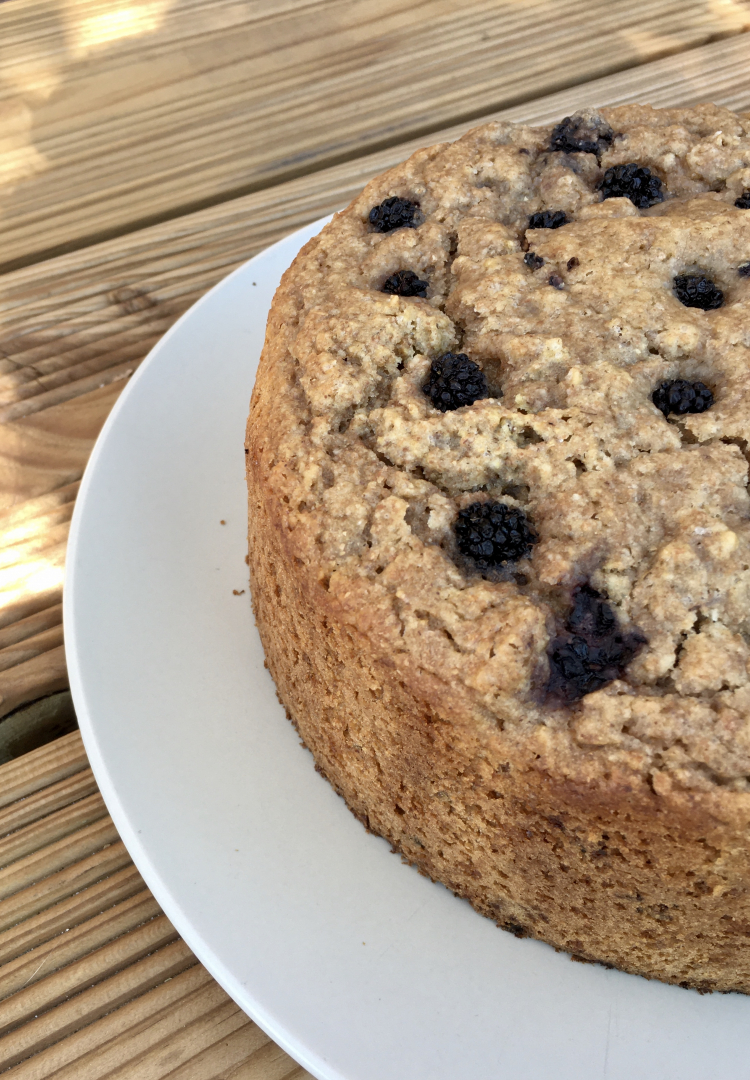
(455, 380)
(492, 533)
(574, 135)
(548, 219)
(533, 261)
(633, 182)
(696, 290)
(394, 213)
(743, 203)
(593, 651)
(405, 283)
(680, 396)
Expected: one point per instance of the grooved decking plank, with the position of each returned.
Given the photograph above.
(71, 849)
(116, 119)
(187, 1029)
(93, 1051)
(51, 829)
(32, 647)
(220, 1043)
(221, 1039)
(41, 675)
(90, 1005)
(61, 915)
(40, 453)
(47, 801)
(98, 984)
(40, 895)
(33, 625)
(21, 519)
(77, 942)
(148, 942)
(42, 767)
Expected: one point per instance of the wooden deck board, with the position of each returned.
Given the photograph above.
(116, 115)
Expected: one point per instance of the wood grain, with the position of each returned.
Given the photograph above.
(36, 897)
(119, 114)
(95, 981)
(42, 769)
(149, 939)
(78, 941)
(57, 856)
(48, 800)
(51, 828)
(63, 915)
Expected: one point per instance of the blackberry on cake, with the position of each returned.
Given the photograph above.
(405, 283)
(633, 182)
(455, 381)
(581, 135)
(548, 219)
(698, 291)
(680, 396)
(493, 533)
(394, 213)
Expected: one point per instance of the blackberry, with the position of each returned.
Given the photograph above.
(744, 201)
(695, 290)
(491, 533)
(575, 135)
(404, 283)
(744, 270)
(593, 651)
(455, 380)
(394, 213)
(680, 396)
(633, 182)
(548, 219)
(533, 261)
(556, 281)
(591, 616)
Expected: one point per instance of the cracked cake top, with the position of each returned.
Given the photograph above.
(504, 409)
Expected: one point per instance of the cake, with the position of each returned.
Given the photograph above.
(499, 524)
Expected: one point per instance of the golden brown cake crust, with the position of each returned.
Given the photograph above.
(615, 826)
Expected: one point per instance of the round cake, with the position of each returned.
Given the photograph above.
(500, 528)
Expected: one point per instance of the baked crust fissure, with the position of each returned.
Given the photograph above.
(357, 481)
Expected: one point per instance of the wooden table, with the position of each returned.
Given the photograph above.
(148, 147)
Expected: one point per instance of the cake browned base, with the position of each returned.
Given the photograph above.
(608, 871)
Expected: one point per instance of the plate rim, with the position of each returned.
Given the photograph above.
(137, 851)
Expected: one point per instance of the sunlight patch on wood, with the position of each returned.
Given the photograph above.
(32, 578)
(87, 32)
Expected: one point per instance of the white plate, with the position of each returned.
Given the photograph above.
(355, 964)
